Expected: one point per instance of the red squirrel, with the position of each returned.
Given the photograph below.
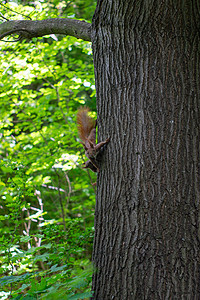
(87, 133)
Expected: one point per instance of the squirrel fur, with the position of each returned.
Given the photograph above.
(87, 134)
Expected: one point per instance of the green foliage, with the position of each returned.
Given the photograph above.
(47, 199)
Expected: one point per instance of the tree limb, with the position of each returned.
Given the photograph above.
(29, 29)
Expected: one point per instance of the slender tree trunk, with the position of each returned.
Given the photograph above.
(147, 222)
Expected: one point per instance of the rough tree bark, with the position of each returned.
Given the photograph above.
(147, 220)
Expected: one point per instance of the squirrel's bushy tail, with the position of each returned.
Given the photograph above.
(85, 123)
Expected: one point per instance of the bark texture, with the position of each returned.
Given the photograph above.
(147, 222)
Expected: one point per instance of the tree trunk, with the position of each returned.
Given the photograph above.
(147, 221)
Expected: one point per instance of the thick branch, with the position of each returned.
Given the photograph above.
(30, 29)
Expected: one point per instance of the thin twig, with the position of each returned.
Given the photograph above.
(15, 11)
(69, 188)
(60, 200)
(3, 17)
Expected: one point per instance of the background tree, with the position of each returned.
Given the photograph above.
(146, 61)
